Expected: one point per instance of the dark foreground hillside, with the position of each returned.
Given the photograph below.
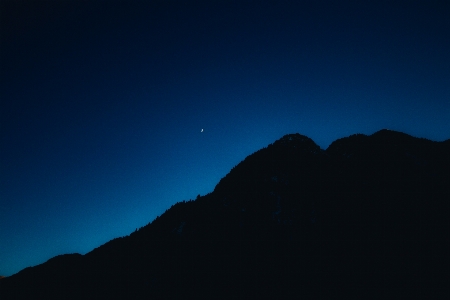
(368, 217)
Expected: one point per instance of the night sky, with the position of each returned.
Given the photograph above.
(103, 103)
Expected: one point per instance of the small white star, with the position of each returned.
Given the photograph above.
(201, 130)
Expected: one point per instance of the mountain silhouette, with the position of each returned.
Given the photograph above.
(367, 217)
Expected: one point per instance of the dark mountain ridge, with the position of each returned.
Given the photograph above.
(367, 216)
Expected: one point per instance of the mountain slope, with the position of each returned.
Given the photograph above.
(368, 215)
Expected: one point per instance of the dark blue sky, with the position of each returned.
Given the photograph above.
(102, 103)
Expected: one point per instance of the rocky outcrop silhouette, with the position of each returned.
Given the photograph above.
(367, 217)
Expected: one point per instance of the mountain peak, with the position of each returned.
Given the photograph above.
(294, 138)
(298, 141)
(390, 134)
(286, 153)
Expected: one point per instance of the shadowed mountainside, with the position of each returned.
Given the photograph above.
(369, 216)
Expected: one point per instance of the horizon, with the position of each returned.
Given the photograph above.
(112, 112)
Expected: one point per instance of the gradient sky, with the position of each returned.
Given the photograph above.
(102, 103)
